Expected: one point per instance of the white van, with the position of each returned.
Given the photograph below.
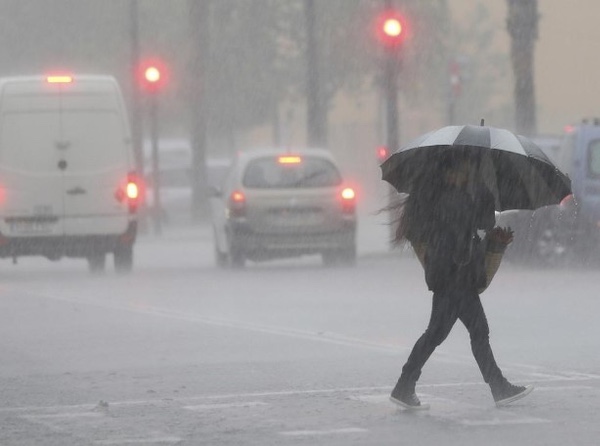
(68, 185)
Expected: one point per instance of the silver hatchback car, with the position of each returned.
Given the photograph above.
(276, 204)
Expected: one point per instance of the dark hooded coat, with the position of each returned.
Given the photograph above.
(455, 255)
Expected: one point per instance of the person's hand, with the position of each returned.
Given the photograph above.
(501, 235)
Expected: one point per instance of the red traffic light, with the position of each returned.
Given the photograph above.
(391, 29)
(152, 75)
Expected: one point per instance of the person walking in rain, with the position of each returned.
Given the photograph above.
(443, 219)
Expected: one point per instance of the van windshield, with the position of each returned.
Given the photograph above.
(271, 173)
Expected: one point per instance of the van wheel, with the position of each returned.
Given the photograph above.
(97, 263)
(123, 257)
(236, 257)
(220, 257)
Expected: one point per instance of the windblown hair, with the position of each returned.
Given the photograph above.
(413, 213)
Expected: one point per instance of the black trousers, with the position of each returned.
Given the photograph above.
(447, 307)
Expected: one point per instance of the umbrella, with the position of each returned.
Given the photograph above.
(516, 170)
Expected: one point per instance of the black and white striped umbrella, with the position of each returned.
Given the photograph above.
(515, 169)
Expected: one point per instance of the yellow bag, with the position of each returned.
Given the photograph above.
(493, 257)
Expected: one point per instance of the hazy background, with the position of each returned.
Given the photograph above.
(255, 91)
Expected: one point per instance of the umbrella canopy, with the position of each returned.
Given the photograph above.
(514, 169)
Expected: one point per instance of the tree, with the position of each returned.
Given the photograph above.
(316, 116)
(481, 70)
(522, 25)
(197, 81)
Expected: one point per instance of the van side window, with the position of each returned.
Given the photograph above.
(567, 151)
(594, 159)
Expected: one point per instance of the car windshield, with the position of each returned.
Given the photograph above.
(290, 172)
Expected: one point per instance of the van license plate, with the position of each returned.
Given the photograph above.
(30, 227)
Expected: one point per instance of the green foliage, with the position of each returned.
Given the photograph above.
(484, 71)
(257, 52)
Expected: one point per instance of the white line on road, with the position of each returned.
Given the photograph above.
(225, 405)
(308, 433)
(150, 440)
(274, 393)
(500, 422)
(323, 337)
(66, 415)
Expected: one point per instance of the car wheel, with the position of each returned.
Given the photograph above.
(237, 259)
(96, 263)
(221, 258)
(348, 256)
(123, 258)
(345, 256)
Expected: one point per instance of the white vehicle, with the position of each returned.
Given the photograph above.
(67, 182)
(276, 204)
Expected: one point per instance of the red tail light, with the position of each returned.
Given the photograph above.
(131, 191)
(237, 204)
(348, 197)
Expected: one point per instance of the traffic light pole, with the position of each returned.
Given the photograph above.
(390, 88)
(157, 208)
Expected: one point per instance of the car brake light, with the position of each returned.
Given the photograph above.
(237, 204)
(59, 79)
(348, 194)
(289, 159)
(130, 191)
(348, 197)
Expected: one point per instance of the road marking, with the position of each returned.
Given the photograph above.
(327, 337)
(377, 398)
(150, 440)
(65, 415)
(459, 412)
(308, 433)
(276, 393)
(500, 422)
(536, 372)
(200, 407)
(563, 388)
(323, 337)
